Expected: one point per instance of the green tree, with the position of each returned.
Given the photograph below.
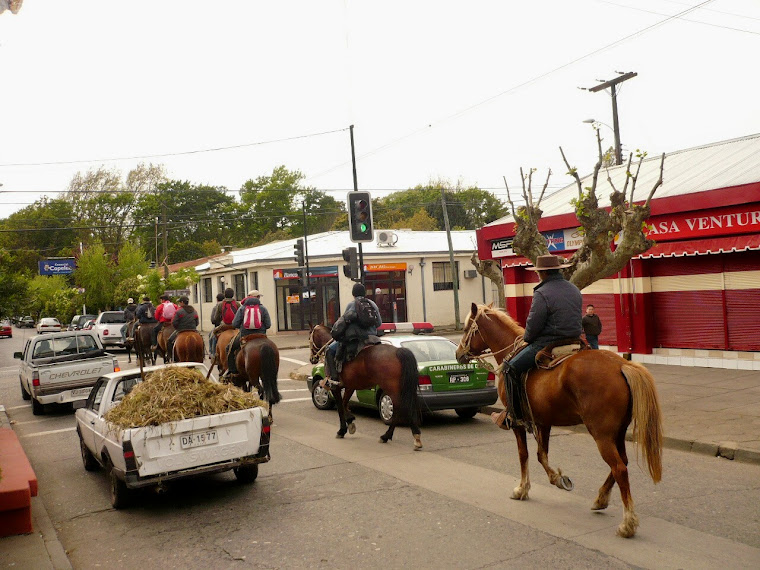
(420, 221)
(96, 273)
(47, 297)
(13, 289)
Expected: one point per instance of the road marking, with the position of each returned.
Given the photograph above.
(295, 400)
(32, 422)
(40, 433)
(17, 407)
(295, 390)
(293, 360)
(8, 369)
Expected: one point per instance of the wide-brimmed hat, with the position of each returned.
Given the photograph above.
(254, 293)
(544, 262)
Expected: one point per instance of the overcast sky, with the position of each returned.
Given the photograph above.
(464, 91)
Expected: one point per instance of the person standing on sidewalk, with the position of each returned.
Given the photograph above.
(592, 327)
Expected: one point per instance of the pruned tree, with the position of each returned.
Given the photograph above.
(490, 269)
(596, 258)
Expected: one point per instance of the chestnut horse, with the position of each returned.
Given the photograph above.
(163, 337)
(393, 369)
(224, 336)
(597, 388)
(188, 347)
(258, 363)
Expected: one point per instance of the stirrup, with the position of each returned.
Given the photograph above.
(501, 420)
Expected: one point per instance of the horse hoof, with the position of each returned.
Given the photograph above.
(417, 443)
(566, 483)
(382, 440)
(351, 428)
(519, 495)
(624, 532)
(339, 435)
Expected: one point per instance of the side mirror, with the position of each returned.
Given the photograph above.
(18, 355)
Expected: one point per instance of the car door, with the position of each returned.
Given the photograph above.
(89, 414)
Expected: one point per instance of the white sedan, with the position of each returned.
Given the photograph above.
(48, 324)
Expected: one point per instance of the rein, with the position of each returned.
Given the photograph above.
(317, 354)
(467, 339)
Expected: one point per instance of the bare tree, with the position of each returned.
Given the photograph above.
(491, 269)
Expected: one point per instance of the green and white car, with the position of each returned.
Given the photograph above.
(444, 384)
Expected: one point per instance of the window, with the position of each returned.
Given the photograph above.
(86, 343)
(443, 279)
(207, 294)
(238, 281)
(253, 280)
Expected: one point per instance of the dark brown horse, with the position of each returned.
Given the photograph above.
(597, 388)
(142, 343)
(188, 347)
(258, 363)
(163, 337)
(393, 369)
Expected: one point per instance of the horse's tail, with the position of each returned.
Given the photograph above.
(646, 415)
(269, 369)
(409, 383)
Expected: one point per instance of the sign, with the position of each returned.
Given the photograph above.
(731, 220)
(384, 267)
(293, 299)
(502, 247)
(314, 272)
(62, 266)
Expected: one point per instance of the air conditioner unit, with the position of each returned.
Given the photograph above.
(386, 238)
(470, 274)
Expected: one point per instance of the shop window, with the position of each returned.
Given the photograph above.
(238, 281)
(443, 279)
(253, 280)
(207, 294)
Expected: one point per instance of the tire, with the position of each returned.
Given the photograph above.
(88, 459)
(466, 413)
(37, 408)
(24, 394)
(321, 397)
(118, 490)
(246, 473)
(385, 408)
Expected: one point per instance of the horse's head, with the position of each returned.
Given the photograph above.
(487, 330)
(472, 343)
(318, 340)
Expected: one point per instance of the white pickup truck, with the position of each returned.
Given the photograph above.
(58, 368)
(152, 455)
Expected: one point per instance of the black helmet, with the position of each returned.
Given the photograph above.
(358, 290)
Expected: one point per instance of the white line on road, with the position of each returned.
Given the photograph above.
(17, 407)
(39, 433)
(295, 390)
(293, 360)
(295, 400)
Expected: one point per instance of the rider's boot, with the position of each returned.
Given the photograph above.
(330, 372)
(517, 414)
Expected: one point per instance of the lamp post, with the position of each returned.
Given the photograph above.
(618, 149)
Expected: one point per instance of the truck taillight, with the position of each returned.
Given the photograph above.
(129, 456)
(491, 381)
(35, 378)
(105, 332)
(425, 384)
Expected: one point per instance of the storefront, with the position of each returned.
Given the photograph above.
(386, 285)
(300, 309)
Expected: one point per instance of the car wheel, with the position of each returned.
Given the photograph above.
(118, 490)
(24, 394)
(385, 407)
(37, 408)
(246, 473)
(466, 413)
(88, 459)
(321, 397)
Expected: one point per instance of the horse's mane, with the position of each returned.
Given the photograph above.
(502, 316)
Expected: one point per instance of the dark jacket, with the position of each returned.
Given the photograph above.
(142, 312)
(129, 312)
(592, 325)
(266, 322)
(555, 313)
(216, 314)
(185, 319)
(354, 330)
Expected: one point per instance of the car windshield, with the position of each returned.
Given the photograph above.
(428, 349)
(112, 318)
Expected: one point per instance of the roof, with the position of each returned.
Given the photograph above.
(724, 164)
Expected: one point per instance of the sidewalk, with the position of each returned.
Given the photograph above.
(705, 410)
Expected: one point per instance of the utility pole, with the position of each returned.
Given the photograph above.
(166, 241)
(454, 272)
(356, 189)
(613, 91)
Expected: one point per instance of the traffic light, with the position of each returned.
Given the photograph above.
(351, 268)
(299, 279)
(298, 252)
(360, 216)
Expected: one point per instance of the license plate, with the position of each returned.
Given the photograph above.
(80, 392)
(456, 378)
(198, 439)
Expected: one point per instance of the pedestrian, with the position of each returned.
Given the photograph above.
(592, 327)
(185, 319)
(252, 317)
(555, 314)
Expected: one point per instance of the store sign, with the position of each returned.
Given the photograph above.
(557, 240)
(502, 247)
(731, 220)
(57, 266)
(314, 272)
(384, 267)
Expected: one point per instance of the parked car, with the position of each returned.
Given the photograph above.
(48, 324)
(108, 328)
(25, 322)
(87, 326)
(444, 384)
(6, 330)
(79, 320)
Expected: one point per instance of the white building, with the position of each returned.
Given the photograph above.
(410, 269)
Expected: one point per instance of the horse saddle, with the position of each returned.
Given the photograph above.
(555, 353)
(221, 328)
(249, 337)
(347, 351)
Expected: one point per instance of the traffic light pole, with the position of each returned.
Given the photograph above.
(306, 259)
(356, 189)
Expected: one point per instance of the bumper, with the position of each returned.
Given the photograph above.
(112, 341)
(73, 395)
(134, 481)
(432, 401)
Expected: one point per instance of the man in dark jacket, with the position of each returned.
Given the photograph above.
(555, 314)
(145, 311)
(129, 316)
(185, 319)
(592, 327)
(216, 320)
(252, 317)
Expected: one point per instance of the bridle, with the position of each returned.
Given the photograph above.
(466, 342)
(317, 353)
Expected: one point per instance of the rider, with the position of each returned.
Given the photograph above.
(354, 330)
(252, 317)
(146, 311)
(216, 320)
(185, 319)
(129, 316)
(555, 314)
(164, 314)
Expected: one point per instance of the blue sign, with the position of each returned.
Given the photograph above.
(57, 266)
(555, 240)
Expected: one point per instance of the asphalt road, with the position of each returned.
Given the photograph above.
(325, 502)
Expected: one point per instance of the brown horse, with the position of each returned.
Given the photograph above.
(393, 369)
(188, 347)
(224, 335)
(597, 388)
(258, 363)
(163, 337)
(142, 343)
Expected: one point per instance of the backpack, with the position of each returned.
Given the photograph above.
(365, 313)
(252, 317)
(169, 310)
(229, 308)
(149, 311)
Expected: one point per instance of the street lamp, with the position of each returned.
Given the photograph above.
(618, 149)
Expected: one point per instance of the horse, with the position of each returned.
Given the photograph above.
(162, 338)
(597, 388)
(393, 369)
(130, 344)
(189, 347)
(142, 343)
(224, 335)
(258, 363)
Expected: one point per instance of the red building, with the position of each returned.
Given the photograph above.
(692, 298)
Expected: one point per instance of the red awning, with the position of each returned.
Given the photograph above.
(703, 246)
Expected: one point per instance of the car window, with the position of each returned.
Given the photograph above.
(431, 349)
(43, 350)
(96, 395)
(65, 346)
(86, 343)
(112, 318)
(124, 387)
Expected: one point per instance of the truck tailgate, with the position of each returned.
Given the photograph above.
(196, 442)
(72, 376)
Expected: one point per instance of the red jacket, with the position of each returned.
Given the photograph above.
(160, 312)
